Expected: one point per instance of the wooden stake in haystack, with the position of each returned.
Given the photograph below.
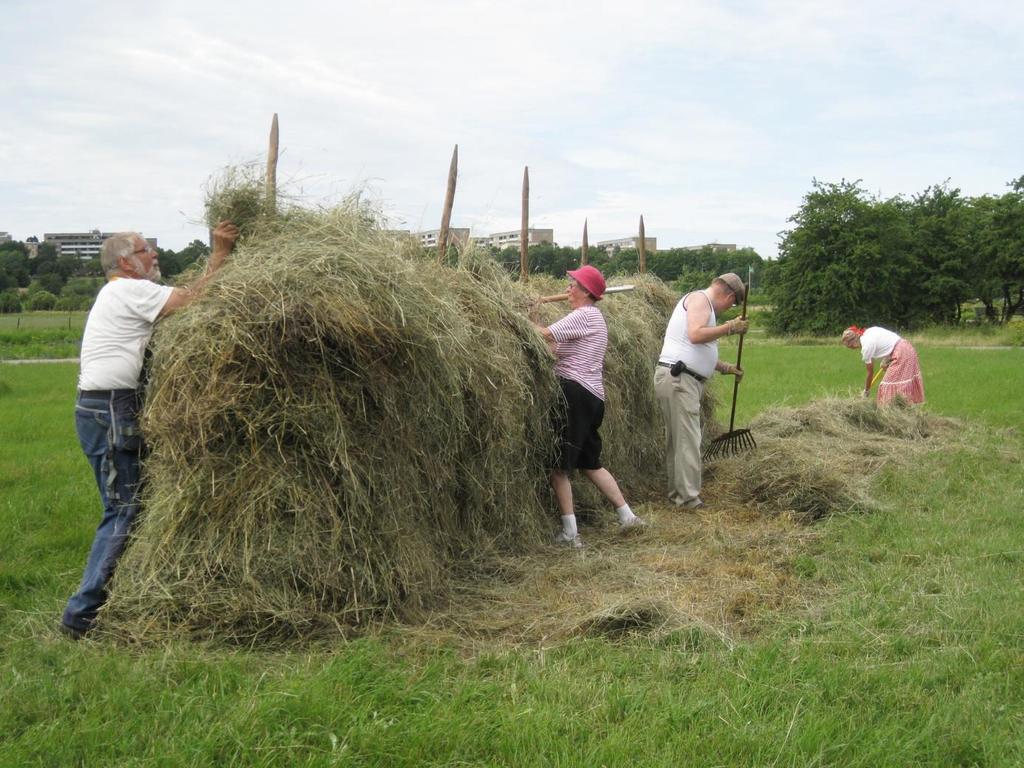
(586, 245)
(524, 228)
(446, 213)
(643, 247)
(739, 440)
(272, 167)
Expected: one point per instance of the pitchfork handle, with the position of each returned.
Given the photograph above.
(549, 299)
(739, 356)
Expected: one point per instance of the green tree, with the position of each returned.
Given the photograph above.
(45, 260)
(68, 265)
(42, 300)
(551, 259)
(170, 262)
(940, 247)
(51, 282)
(9, 302)
(1007, 248)
(192, 253)
(846, 260)
(14, 265)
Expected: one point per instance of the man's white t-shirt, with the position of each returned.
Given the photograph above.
(117, 331)
(877, 342)
(699, 358)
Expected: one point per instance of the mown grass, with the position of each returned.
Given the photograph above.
(32, 321)
(983, 384)
(36, 335)
(908, 651)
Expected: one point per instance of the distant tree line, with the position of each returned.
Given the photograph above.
(684, 268)
(902, 263)
(67, 283)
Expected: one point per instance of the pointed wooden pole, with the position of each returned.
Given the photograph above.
(272, 167)
(446, 214)
(586, 245)
(524, 228)
(643, 247)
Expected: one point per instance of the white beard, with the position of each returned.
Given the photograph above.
(153, 275)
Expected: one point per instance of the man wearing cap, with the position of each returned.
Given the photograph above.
(117, 331)
(579, 341)
(689, 356)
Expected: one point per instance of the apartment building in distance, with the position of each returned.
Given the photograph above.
(712, 246)
(456, 236)
(5, 237)
(650, 244)
(512, 239)
(84, 245)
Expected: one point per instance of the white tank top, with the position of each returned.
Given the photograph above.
(699, 358)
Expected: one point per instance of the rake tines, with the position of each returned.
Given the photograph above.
(735, 440)
(730, 444)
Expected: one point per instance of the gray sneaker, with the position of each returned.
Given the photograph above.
(562, 539)
(695, 503)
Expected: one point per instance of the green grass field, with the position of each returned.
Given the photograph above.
(907, 648)
(35, 335)
(33, 321)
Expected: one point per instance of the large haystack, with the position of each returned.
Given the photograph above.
(339, 423)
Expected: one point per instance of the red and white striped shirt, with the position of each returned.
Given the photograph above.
(581, 339)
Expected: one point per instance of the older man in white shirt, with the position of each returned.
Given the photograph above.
(689, 356)
(117, 331)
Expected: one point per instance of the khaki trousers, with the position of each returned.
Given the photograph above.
(679, 399)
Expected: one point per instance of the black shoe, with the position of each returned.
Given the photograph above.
(73, 632)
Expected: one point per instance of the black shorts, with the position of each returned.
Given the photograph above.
(577, 419)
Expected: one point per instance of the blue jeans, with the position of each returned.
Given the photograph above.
(107, 426)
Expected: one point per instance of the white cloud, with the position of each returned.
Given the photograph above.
(709, 119)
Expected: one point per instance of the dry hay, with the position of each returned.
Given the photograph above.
(822, 458)
(239, 195)
(709, 576)
(338, 426)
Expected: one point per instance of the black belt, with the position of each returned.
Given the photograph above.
(685, 370)
(102, 393)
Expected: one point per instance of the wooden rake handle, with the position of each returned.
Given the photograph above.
(565, 296)
(549, 299)
(739, 357)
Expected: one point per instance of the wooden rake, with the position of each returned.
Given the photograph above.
(734, 441)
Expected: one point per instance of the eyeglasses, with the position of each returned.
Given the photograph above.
(147, 249)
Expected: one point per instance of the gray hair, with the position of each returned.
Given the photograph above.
(114, 247)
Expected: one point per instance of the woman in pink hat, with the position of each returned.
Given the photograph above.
(896, 356)
(579, 341)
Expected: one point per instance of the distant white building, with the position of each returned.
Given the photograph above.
(456, 236)
(512, 239)
(712, 246)
(5, 237)
(84, 245)
(650, 244)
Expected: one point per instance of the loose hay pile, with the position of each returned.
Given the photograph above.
(339, 424)
(822, 458)
(712, 574)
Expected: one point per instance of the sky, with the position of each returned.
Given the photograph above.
(710, 119)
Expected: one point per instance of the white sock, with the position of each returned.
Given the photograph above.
(569, 525)
(625, 513)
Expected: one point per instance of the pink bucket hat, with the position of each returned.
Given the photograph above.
(590, 278)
